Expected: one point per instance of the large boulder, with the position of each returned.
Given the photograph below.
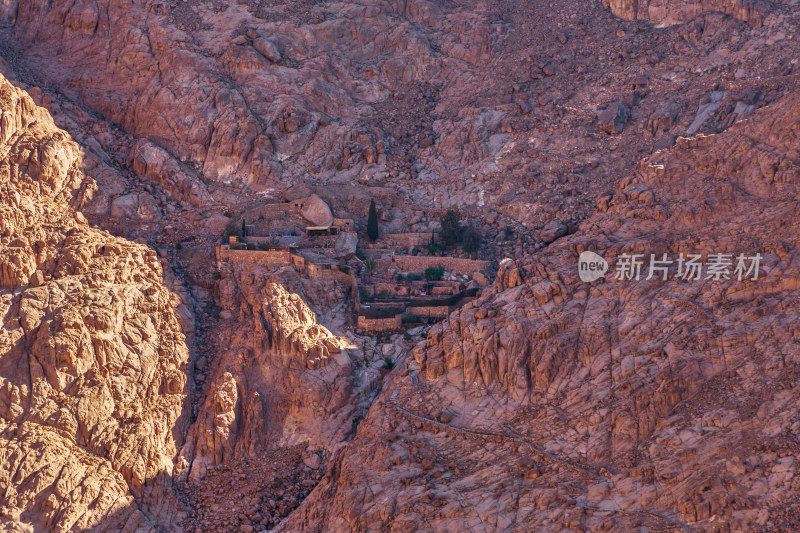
(134, 205)
(158, 166)
(267, 49)
(703, 114)
(316, 211)
(664, 117)
(125, 206)
(613, 118)
(346, 244)
(553, 231)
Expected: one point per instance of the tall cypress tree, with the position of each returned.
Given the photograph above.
(372, 221)
(244, 229)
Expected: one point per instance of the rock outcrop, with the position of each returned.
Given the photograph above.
(92, 355)
(553, 404)
(668, 12)
(544, 404)
(282, 375)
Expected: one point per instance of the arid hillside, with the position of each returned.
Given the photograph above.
(93, 360)
(553, 405)
(201, 333)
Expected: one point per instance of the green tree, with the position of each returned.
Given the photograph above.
(372, 221)
(451, 227)
(231, 228)
(471, 240)
(244, 229)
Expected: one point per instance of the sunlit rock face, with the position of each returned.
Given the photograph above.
(92, 355)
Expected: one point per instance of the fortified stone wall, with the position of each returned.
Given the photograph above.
(439, 311)
(258, 257)
(380, 324)
(283, 240)
(418, 263)
(404, 239)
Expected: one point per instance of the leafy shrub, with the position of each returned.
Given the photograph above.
(434, 273)
(434, 249)
(212, 310)
(232, 228)
(471, 240)
(451, 226)
(370, 264)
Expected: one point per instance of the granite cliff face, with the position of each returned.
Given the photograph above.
(92, 357)
(552, 404)
(420, 104)
(146, 386)
(284, 378)
(279, 380)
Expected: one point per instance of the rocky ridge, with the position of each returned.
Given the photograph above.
(553, 404)
(93, 357)
(545, 403)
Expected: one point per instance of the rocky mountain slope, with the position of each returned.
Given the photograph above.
(93, 359)
(492, 106)
(144, 386)
(555, 405)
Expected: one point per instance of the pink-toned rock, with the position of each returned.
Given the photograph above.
(316, 211)
(92, 356)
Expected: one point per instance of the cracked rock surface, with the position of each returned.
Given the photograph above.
(146, 385)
